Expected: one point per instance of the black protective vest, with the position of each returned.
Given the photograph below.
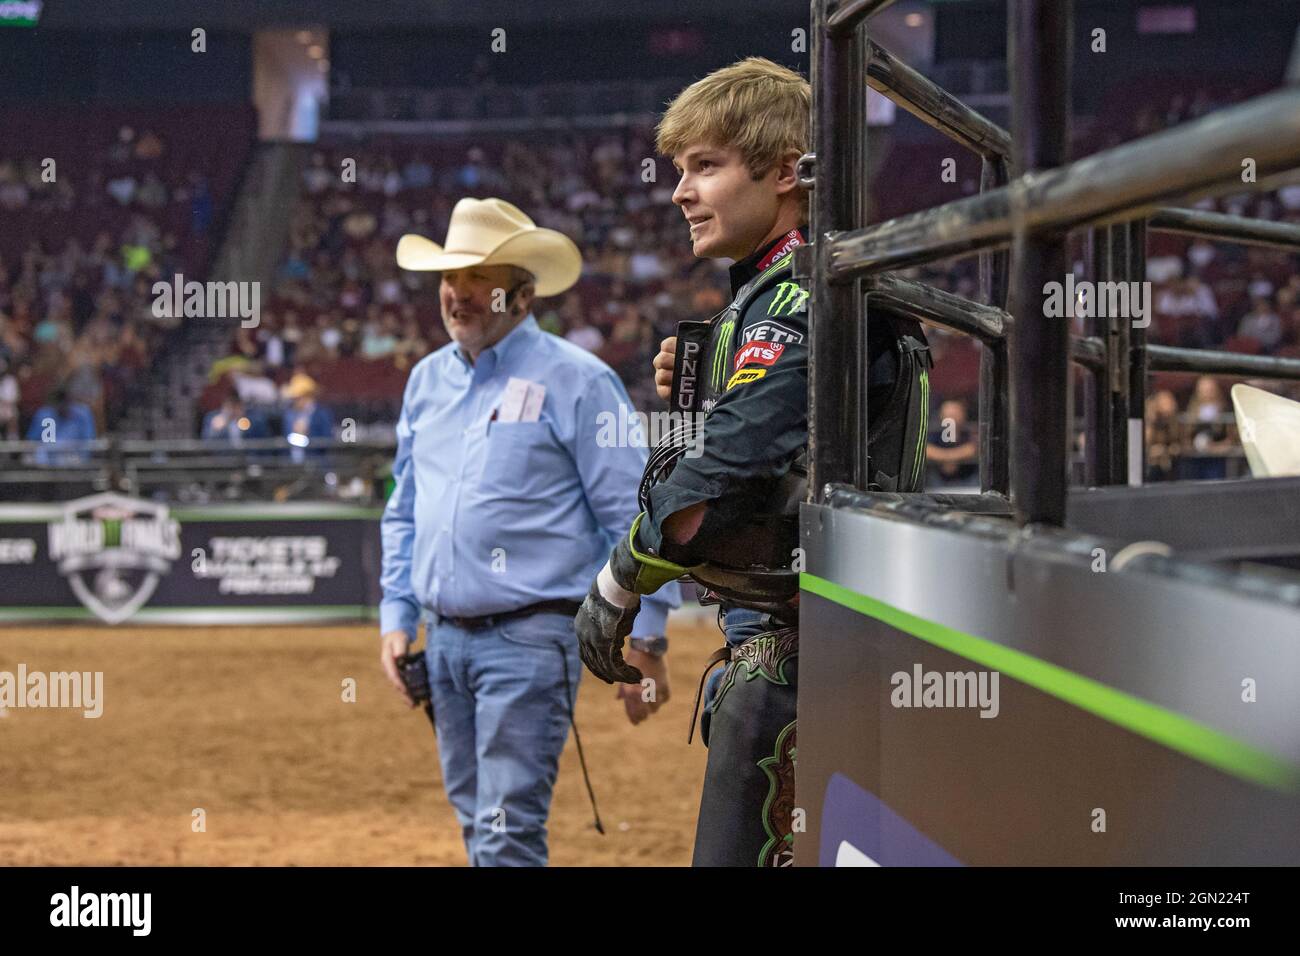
(751, 565)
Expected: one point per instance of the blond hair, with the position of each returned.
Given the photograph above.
(757, 106)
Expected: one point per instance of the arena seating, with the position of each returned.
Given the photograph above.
(133, 195)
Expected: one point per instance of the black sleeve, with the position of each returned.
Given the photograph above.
(759, 425)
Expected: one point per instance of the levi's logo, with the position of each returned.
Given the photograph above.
(761, 353)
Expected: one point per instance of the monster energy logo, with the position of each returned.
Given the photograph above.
(780, 264)
(920, 442)
(720, 351)
(789, 297)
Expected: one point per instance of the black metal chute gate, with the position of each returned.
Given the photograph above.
(1113, 684)
(839, 67)
(1118, 192)
(1114, 446)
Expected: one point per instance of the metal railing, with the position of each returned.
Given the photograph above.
(196, 470)
(842, 55)
(1116, 403)
(467, 108)
(1119, 192)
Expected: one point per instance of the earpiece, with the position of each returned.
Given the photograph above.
(512, 296)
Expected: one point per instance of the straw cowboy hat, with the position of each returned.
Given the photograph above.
(492, 232)
(300, 385)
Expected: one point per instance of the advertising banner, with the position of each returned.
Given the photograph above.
(115, 558)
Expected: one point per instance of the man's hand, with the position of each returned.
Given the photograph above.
(602, 628)
(643, 699)
(392, 646)
(663, 365)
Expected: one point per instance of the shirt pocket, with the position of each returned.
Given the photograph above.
(520, 459)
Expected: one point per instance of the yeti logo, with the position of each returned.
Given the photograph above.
(773, 332)
(113, 550)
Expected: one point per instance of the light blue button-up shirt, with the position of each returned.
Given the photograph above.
(489, 516)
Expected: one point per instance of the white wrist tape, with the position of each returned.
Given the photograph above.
(613, 592)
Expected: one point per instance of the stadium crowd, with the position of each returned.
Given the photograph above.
(344, 313)
(95, 216)
(76, 322)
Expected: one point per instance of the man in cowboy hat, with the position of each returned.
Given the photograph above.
(504, 505)
(305, 419)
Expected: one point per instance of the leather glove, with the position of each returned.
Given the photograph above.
(605, 619)
(602, 628)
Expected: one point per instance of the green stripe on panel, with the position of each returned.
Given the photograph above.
(1166, 727)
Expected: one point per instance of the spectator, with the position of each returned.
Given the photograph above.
(628, 350)
(395, 221)
(234, 422)
(645, 266)
(290, 335)
(474, 175)
(330, 334)
(305, 419)
(149, 147)
(13, 192)
(585, 336)
(1208, 412)
(1187, 311)
(1163, 435)
(1289, 313)
(152, 194)
(1260, 287)
(417, 174)
(136, 257)
(1261, 324)
(379, 340)
(83, 381)
(1200, 254)
(1289, 196)
(121, 151)
(411, 347)
(952, 447)
(255, 387)
(62, 422)
(122, 188)
(9, 396)
(317, 177)
(200, 205)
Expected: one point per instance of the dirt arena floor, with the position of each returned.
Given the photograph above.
(249, 724)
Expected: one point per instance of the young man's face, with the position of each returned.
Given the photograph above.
(730, 213)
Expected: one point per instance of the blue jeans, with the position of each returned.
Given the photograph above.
(738, 625)
(500, 706)
(741, 623)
